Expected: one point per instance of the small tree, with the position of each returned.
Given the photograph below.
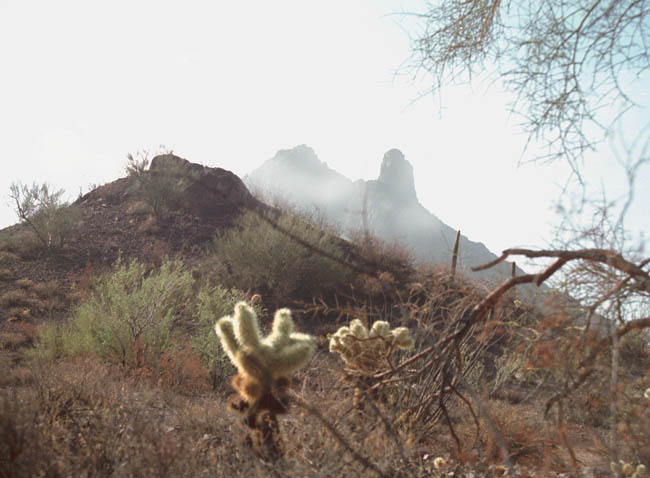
(44, 211)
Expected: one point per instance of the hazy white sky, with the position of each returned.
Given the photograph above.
(227, 84)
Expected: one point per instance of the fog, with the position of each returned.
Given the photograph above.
(230, 84)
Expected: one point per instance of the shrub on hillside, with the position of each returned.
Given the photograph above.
(162, 190)
(255, 255)
(212, 304)
(128, 317)
(50, 218)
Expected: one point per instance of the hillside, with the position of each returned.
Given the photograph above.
(111, 365)
(114, 219)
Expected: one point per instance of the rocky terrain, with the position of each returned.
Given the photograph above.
(99, 400)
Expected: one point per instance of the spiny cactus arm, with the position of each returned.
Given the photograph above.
(251, 363)
(247, 329)
(226, 333)
(380, 328)
(402, 338)
(291, 358)
(358, 329)
(282, 329)
(282, 322)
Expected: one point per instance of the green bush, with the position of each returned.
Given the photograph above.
(129, 316)
(258, 257)
(212, 304)
(43, 210)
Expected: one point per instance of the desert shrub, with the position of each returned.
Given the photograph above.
(51, 219)
(129, 315)
(162, 190)
(212, 304)
(383, 255)
(254, 255)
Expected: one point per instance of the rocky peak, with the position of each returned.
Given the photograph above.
(300, 157)
(396, 175)
(202, 190)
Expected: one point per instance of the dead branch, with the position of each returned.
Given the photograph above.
(604, 256)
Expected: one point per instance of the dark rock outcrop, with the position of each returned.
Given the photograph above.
(206, 192)
(396, 177)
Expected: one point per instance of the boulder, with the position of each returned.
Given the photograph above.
(203, 191)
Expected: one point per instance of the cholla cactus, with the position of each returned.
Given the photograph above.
(367, 351)
(627, 470)
(265, 365)
(268, 359)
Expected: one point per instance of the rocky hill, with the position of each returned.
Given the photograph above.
(386, 207)
(114, 220)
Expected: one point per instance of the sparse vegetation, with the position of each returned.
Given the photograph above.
(128, 318)
(256, 256)
(163, 189)
(134, 381)
(212, 303)
(51, 219)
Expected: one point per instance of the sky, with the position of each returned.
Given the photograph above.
(227, 84)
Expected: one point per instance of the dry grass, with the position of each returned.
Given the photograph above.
(82, 416)
(16, 298)
(7, 257)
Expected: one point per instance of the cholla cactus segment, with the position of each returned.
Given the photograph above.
(358, 329)
(403, 338)
(380, 328)
(367, 351)
(439, 463)
(627, 470)
(278, 355)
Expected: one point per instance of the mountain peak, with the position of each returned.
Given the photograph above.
(301, 156)
(396, 174)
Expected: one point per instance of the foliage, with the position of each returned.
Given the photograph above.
(214, 302)
(44, 211)
(128, 317)
(255, 255)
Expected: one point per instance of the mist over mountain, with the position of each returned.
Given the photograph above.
(386, 207)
